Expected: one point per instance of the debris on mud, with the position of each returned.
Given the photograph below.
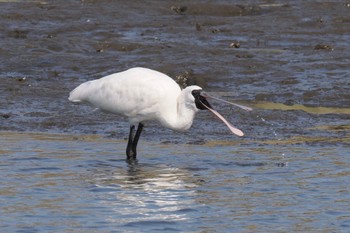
(179, 9)
(323, 47)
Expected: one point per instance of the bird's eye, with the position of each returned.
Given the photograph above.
(196, 93)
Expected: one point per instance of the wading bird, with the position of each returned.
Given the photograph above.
(141, 95)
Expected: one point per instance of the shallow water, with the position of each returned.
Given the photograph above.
(60, 183)
(62, 165)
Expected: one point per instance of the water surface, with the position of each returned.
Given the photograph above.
(58, 183)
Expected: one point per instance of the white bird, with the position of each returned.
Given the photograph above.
(141, 95)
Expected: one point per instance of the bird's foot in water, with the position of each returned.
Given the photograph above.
(130, 154)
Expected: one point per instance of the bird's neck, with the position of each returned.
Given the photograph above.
(182, 115)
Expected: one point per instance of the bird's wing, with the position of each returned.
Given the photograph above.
(133, 93)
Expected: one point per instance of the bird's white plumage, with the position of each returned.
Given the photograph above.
(140, 94)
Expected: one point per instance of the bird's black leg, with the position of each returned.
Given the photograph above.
(129, 151)
(136, 139)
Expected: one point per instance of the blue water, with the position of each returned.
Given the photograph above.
(61, 183)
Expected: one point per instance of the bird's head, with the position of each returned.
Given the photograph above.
(200, 100)
(196, 99)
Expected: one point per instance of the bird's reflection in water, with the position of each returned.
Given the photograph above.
(145, 192)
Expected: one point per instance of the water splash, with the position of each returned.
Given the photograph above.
(276, 137)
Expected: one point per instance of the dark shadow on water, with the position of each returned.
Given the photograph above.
(260, 164)
(250, 164)
(243, 164)
(160, 225)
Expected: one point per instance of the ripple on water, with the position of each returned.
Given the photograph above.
(55, 183)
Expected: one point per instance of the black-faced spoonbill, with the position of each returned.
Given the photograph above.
(141, 95)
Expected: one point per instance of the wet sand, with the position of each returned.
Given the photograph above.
(289, 53)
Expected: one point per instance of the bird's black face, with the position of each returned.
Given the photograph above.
(200, 100)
